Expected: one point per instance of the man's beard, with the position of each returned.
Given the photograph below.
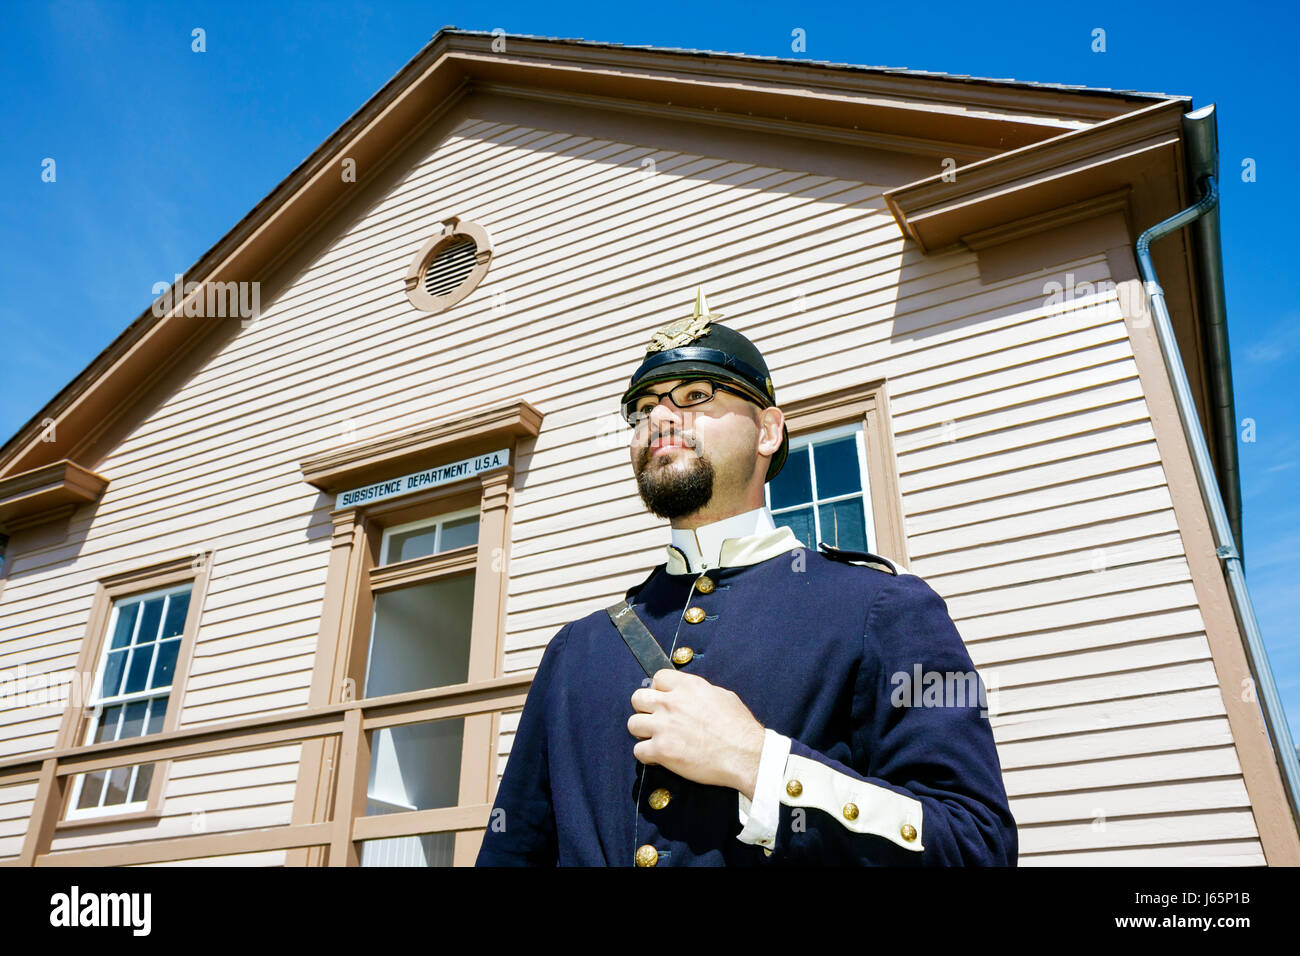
(674, 491)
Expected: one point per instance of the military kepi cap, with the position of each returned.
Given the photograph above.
(698, 347)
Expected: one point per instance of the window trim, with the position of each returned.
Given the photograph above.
(96, 705)
(354, 574)
(865, 406)
(195, 570)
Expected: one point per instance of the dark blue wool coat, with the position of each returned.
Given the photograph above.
(813, 646)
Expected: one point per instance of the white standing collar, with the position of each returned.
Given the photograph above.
(746, 538)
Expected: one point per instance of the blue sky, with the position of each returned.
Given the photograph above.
(160, 150)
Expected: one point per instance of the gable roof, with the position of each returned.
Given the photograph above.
(968, 118)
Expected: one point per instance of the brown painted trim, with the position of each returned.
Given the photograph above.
(192, 847)
(861, 137)
(46, 494)
(1115, 201)
(1027, 182)
(868, 404)
(45, 813)
(1278, 834)
(405, 573)
(893, 99)
(354, 770)
(464, 817)
(392, 455)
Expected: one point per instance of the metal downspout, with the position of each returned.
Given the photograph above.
(1203, 160)
(1224, 539)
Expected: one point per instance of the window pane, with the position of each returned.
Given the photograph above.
(415, 767)
(837, 469)
(157, 711)
(92, 786)
(406, 545)
(843, 524)
(793, 486)
(149, 621)
(133, 722)
(421, 636)
(177, 606)
(125, 623)
(427, 849)
(138, 670)
(118, 779)
(142, 778)
(114, 669)
(459, 533)
(800, 522)
(108, 721)
(165, 668)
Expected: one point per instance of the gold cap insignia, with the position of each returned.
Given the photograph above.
(683, 331)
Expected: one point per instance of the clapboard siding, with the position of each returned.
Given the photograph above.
(15, 810)
(1033, 494)
(217, 794)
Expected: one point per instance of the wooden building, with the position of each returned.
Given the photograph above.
(279, 563)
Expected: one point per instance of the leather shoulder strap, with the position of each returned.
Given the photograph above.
(638, 638)
(853, 557)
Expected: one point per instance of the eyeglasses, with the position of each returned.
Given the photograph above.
(638, 408)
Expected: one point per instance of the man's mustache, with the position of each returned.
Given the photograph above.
(670, 431)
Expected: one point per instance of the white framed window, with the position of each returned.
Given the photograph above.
(133, 685)
(417, 539)
(823, 492)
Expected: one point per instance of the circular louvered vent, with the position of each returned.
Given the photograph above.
(449, 266)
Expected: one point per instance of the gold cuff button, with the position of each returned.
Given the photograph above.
(695, 614)
(683, 655)
(705, 585)
(794, 788)
(646, 855)
(659, 798)
(908, 832)
(850, 811)
(766, 851)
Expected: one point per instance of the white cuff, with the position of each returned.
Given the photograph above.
(761, 818)
(858, 805)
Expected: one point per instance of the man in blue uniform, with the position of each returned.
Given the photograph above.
(787, 729)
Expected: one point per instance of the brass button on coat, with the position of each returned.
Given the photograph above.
(850, 811)
(646, 855)
(908, 832)
(695, 614)
(704, 585)
(794, 788)
(659, 798)
(683, 655)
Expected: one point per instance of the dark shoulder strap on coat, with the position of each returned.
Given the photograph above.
(638, 638)
(853, 557)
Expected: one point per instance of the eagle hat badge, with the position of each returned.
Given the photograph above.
(684, 331)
